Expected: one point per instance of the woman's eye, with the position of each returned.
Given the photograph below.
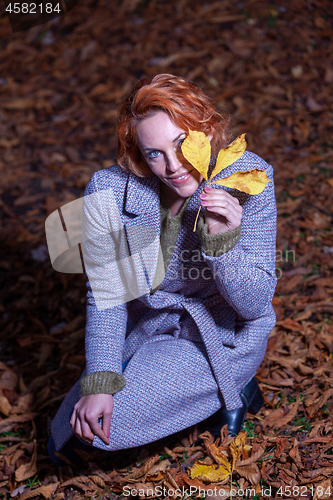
(153, 154)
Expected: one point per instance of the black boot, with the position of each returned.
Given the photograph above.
(252, 400)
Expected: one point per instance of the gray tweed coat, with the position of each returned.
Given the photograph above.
(201, 336)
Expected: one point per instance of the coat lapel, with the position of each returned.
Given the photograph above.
(142, 220)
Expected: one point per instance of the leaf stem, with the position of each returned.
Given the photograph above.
(196, 219)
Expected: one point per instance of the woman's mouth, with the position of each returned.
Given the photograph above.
(180, 178)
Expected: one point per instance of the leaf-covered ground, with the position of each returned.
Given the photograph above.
(270, 65)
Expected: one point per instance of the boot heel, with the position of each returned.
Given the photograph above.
(257, 402)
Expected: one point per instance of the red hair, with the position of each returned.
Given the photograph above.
(188, 107)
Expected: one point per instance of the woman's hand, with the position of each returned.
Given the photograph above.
(223, 211)
(85, 417)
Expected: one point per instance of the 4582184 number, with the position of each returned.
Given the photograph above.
(300, 491)
(33, 8)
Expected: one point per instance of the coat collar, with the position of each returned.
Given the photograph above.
(142, 195)
(142, 221)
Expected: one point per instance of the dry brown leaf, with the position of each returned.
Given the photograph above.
(23, 404)
(16, 419)
(191, 482)
(5, 406)
(221, 493)
(217, 455)
(82, 482)
(19, 104)
(281, 444)
(142, 470)
(25, 471)
(8, 380)
(157, 471)
(171, 480)
(325, 471)
(273, 417)
(97, 480)
(47, 491)
(295, 456)
(291, 324)
(16, 456)
(250, 472)
(10, 449)
(146, 490)
(323, 490)
(253, 458)
(290, 415)
(314, 408)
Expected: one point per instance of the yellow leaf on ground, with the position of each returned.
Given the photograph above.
(229, 155)
(196, 149)
(236, 447)
(250, 182)
(212, 473)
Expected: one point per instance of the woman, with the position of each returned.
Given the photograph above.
(177, 321)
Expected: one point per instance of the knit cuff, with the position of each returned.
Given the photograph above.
(214, 245)
(102, 383)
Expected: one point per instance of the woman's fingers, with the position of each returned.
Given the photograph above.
(86, 432)
(219, 197)
(98, 431)
(223, 211)
(107, 424)
(86, 416)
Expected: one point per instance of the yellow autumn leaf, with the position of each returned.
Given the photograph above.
(196, 149)
(237, 446)
(229, 155)
(211, 473)
(251, 182)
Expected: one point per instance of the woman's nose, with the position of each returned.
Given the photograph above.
(173, 162)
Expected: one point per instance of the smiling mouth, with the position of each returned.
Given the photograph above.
(182, 176)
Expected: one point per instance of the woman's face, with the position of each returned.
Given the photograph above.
(159, 141)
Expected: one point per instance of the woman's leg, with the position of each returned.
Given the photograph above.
(69, 450)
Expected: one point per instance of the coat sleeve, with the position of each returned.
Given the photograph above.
(105, 326)
(245, 274)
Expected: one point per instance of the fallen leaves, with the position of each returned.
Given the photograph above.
(46, 491)
(278, 418)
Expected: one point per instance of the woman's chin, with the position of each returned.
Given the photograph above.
(186, 189)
